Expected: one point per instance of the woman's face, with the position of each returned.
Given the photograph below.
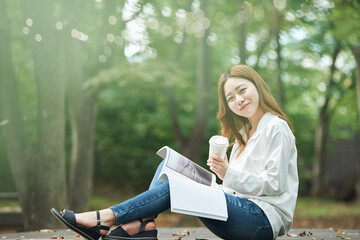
(242, 97)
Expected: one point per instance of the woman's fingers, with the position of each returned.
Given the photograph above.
(215, 159)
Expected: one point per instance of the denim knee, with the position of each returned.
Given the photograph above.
(155, 181)
(246, 220)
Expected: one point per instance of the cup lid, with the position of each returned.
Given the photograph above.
(219, 140)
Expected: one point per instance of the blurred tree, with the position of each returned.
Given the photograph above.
(171, 98)
(243, 16)
(46, 172)
(356, 51)
(192, 146)
(345, 19)
(82, 113)
(16, 142)
(322, 131)
(275, 30)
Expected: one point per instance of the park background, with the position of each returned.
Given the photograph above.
(90, 90)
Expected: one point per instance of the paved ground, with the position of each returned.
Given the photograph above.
(194, 234)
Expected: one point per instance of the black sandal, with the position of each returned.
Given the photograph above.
(120, 233)
(68, 218)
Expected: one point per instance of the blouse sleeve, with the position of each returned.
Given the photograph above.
(272, 180)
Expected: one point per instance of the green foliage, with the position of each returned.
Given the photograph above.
(316, 208)
(345, 18)
(131, 128)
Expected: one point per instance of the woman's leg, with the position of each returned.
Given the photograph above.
(157, 198)
(245, 220)
(149, 203)
(155, 181)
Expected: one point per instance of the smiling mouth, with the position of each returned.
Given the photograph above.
(245, 106)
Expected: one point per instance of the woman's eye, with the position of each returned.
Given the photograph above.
(230, 99)
(242, 90)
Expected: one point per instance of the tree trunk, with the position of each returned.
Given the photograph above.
(82, 113)
(321, 134)
(319, 164)
(277, 26)
(172, 106)
(16, 141)
(82, 153)
(356, 51)
(242, 36)
(192, 148)
(47, 174)
(242, 43)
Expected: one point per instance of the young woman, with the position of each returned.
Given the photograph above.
(260, 180)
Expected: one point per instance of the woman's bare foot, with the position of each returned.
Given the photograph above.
(89, 219)
(134, 226)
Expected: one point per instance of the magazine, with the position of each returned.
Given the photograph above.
(193, 189)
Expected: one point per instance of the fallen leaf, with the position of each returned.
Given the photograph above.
(77, 235)
(291, 235)
(4, 237)
(305, 234)
(57, 237)
(47, 230)
(340, 237)
(340, 232)
(182, 234)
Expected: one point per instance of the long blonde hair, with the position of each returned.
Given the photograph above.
(232, 123)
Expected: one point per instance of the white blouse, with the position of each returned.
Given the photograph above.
(266, 172)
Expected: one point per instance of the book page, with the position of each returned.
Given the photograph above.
(191, 198)
(193, 189)
(185, 167)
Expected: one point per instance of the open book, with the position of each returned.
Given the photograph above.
(193, 189)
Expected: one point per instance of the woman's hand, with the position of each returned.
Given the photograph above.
(218, 165)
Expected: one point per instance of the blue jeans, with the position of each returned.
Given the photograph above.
(245, 220)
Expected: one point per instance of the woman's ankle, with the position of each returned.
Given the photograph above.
(150, 225)
(107, 217)
(89, 219)
(134, 226)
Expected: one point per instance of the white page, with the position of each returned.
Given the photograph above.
(175, 163)
(189, 197)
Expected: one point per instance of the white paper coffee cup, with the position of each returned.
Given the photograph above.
(218, 145)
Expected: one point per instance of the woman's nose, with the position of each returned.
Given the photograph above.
(239, 99)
